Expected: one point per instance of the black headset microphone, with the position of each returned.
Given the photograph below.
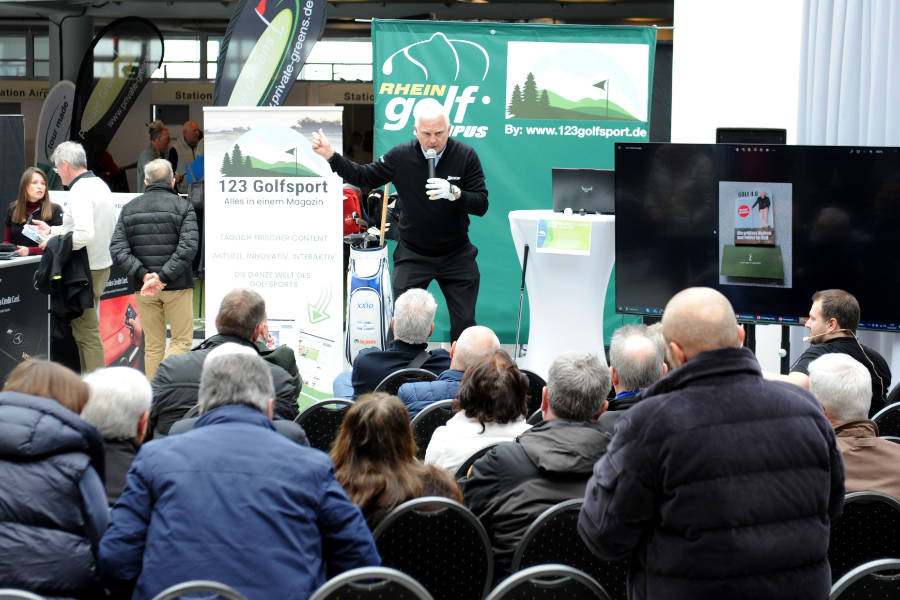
(806, 339)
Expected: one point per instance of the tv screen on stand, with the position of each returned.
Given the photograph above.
(767, 225)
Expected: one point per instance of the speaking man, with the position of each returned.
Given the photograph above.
(832, 323)
(434, 240)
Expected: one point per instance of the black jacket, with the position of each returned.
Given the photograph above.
(177, 380)
(65, 275)
(156, 233)
(372, 365)
(430, 227)
(718, 484)
(119, 456)
(52, 504)
(514, 482)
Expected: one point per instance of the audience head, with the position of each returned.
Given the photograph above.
(231, 375)
(242, 314)
(190, 132)
(699, 319)
(376, 429)
(159, 135)
(842, 385)
(119, 402)
(833, 304)
(655, 332)
(576, 389)
(158, 170)
(475, 344)
(494, 390)
(636, 358)
(48, 380)
(413, 319)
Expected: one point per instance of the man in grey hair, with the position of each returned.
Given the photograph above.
(90, 217)
(119, 406)
(412, 323)
(843, 386)
(233, 501)
(155, 242)
(637, 361)
(514, 482)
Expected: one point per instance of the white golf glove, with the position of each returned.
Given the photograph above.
(440, 189)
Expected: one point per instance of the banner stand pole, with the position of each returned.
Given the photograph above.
(384, 203)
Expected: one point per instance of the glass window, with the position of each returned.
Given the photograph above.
(353, 72)
(316, 72)
(12, 47)
(41, 47)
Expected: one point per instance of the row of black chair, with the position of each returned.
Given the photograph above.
(888, 418)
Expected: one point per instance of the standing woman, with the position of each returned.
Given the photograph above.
(33, 203)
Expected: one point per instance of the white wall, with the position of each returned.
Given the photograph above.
(736, 63)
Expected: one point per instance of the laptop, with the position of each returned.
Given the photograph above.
(588, 190)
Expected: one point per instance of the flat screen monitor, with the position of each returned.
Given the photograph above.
(767, 225)
(583, 190)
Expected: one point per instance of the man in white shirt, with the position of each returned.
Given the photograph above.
(91, 218)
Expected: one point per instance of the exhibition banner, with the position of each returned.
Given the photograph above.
(115, 68)
(273, 224)
(528, 98)
(54, 125)
(265, 46)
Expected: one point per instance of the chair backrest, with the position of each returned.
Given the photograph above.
(536, 385)
(11, 594)
(392, 382)
(535, 418)
(888, 419)
(372, 583)
(193, 412)
(322, 420)
(875, 579)
(200, 587)
(423, 424)
(548, 582)
(869, 528)
(553, 538)
(463, 471)
(441, 544)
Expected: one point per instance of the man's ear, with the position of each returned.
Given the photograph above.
(602, 409)
(269, 410)
(141, 432)
(741, 335)
(678, 355)
(665, 369)
(452, 348)
(431, 330)
(614, 376)
(258, 331)
(392, 323)
(545, 402)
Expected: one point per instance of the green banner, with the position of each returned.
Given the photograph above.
(528, 98)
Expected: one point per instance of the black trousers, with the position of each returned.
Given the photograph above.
(456, 273)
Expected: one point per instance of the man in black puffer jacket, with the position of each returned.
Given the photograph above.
(155, 242)
(718, 483)
(241, 320)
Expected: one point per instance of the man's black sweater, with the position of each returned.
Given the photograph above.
(429, 227)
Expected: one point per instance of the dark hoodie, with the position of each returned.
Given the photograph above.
(511, 485)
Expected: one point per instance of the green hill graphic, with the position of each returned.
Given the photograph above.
(236, 164)
(529, 102)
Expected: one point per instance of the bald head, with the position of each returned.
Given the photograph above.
(699, 319)
(190, 132)
(475, 345)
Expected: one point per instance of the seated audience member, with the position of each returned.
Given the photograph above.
(233, 501)
(52, 505)
(492, 403)
(119, 407)
(718, 483)
(843, 387)
(833, 319)
(241, 320)
(636, 362)
(289, 429)
(412, 324)
(514, 482)
(375, 459)
(475, 344)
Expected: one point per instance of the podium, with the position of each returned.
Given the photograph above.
(566, 289)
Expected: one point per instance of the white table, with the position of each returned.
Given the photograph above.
(566, 292)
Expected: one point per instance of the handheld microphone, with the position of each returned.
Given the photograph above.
(806, 339)
(430, 156)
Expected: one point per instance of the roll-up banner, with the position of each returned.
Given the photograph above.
(114, 70)
(528, 98)
(273, 224)
(265, 46)
(54, 126)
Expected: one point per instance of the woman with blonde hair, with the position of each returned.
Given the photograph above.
(33, 202)
(375, 459)
(53, 505)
